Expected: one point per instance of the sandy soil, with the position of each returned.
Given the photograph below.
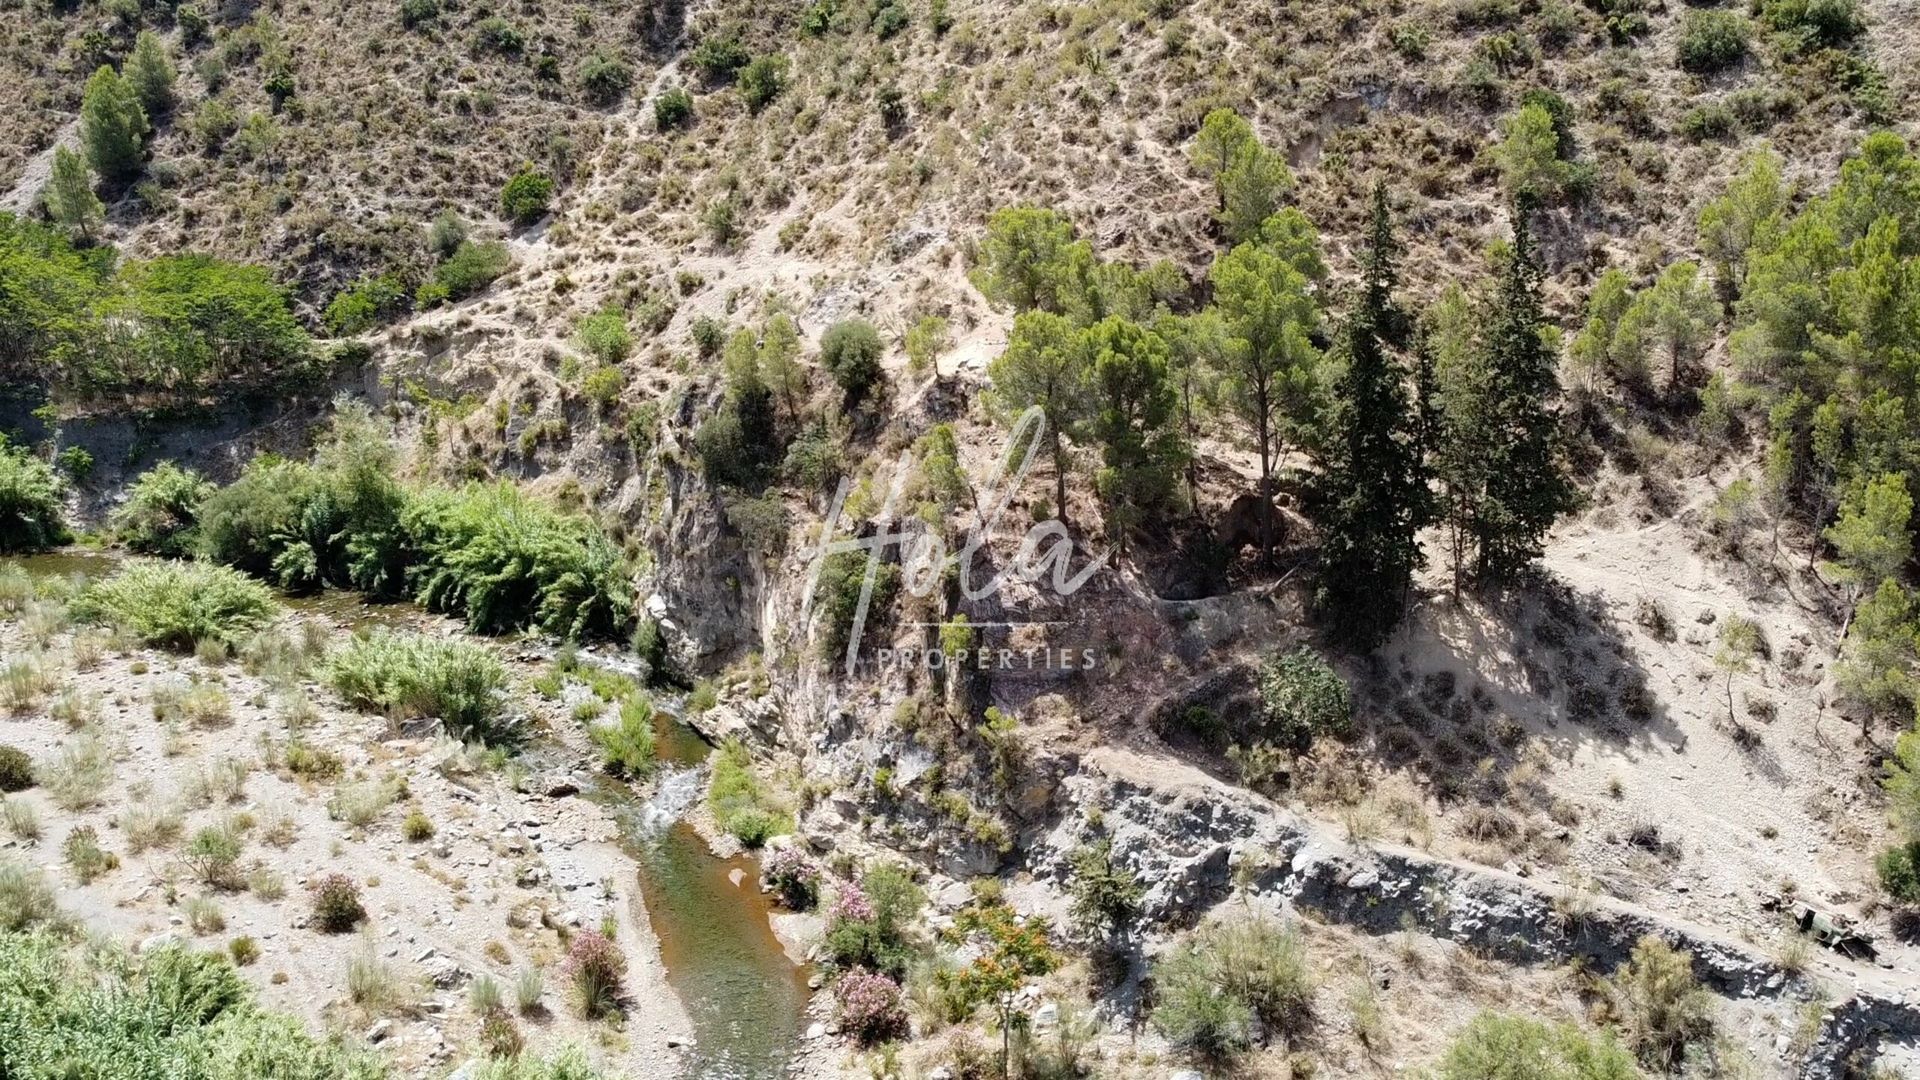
(486, 895)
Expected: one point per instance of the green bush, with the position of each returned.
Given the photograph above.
(496, 35)
(365, 304)
(16, 769)
(162, 511)
(1497, 1047)
(605, 78)
(672, 109)
(416, 13)
(604, 335)
(504, 561)
(740, 803)
(763, 80)
(412, 675)
(850, 350)
(178, 605)
(1301, 697)
(1663, 1010)
(626, 746)
(26, 901)
(31, 515)
(526, 197)
(1214, 986)
(719, 57)
(1899, 868)
(471, 268)
(1712, 41)
(1829, 23)
(842, 578)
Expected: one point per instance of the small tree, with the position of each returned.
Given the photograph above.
(850, 350)
(149, 71)
(762, 80)
(112, 125)
(526, 197)
(1676, 316)
(1045, 366)
(1871, 540)
(1529, 154)
(70, 197)
(1739, 644)
(1106, 895)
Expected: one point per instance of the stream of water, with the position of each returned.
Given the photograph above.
(745, 997)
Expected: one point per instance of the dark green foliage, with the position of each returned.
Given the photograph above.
(16, 769)
(149, 72)
(112, 126)
(1372, 493)
(460, 683)
(177, 605)
(496, 35)
(739, 444)
(605, 77)
(868, 924)
(471, 268)
(162, 511)
(32, 517)
(850, 352)
(526, 197)
(762, 80)
(366, 303)
(1899, 868)
(1133, 408)
(1302, 697)
(837, 594)
(1829, 23)
(334, 522)
(1501, 455)
(504, 561)
(673, 109)
(1712, 41)
(720, 56)
(889, 18)
(417, 13)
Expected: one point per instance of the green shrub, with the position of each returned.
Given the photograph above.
(496, 35)
(672, 109)
(526, 197)
(1217, 984)
(504, 561)
(76, 462)
(178, 605)
(605, 78)
(1712, 41)
(739, 802)
(471, 268)
(626, 746)
(161, 511)
(1662, 1008)
(412, 675)
(889, 18)
(1899, 868)
(366, 303)
(31, 515)
(1829, 23)
(850, 350)
(16, 769)
(213, 857)
(1301, 697)
(719, 57)
(604, 335)
(837, 594)
(763, 80)
(417, 13)
(1497, 1047)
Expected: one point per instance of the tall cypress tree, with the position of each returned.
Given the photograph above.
(1372, 492)
(1527, 483)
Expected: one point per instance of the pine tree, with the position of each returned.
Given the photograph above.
(1266, 301)
(1135, 405)
(112, 124)
(1527, 485)
(149, 71)
(1045, 365)
(70, 198)
(1372, 491)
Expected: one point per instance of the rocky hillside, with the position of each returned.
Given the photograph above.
(685, 269)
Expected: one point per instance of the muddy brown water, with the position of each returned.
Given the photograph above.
(746, 998)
